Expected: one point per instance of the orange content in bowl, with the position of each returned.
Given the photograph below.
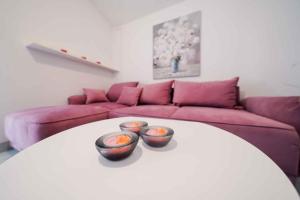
(117, 140)
(134, 124)
(157, 132)
(123, 139)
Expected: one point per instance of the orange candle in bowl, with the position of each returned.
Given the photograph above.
(118, 140)
(133, 124)
(156, 135)
(157, 132)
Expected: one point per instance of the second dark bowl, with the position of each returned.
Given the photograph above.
(156, 140)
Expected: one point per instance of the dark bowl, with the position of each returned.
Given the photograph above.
(116, 151)
(156, 140)
(130, 126)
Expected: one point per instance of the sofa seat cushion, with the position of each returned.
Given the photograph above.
(108, 105)
(27, 127)
(227, 116)
(277, 140)
(161, 111)
(281, 145)
(58, 113)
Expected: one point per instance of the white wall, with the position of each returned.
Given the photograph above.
(30, 78)
(258, 40)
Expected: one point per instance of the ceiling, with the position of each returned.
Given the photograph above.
(119, 12)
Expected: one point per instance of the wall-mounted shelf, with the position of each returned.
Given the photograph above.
(68, 55)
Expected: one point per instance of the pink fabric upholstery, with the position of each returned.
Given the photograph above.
(278, 140)
(161, 111)
(115, 90)
(77, 99)
(94, 95)
(157, 93)
(281, 145)
(108, 105)
(284, 109)
(216, 93)
(227, 116)
(30, 126)
(270, 126)
(129, 96)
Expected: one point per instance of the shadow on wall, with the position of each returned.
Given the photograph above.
(56, 61)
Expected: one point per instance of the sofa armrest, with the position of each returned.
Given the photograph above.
(283, 109)
(77, 99)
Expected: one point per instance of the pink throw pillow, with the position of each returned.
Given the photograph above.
(115, 90)
(94, 95)
(157, 93)
(130, 96)
(215, 93)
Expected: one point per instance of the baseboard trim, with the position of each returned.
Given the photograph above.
(4, 146)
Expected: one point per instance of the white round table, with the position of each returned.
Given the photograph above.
(201, 162)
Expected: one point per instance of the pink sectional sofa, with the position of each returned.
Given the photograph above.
(272, 124)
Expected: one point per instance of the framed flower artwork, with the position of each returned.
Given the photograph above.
(176, 47)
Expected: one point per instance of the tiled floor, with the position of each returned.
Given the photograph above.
(7, 154)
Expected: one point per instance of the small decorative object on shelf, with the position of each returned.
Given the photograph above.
(98, 62)
(117, 145)
(83, 57)
(157, 136)
(64, 50)
(134, 126)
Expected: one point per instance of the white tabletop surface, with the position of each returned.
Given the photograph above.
(201, 162)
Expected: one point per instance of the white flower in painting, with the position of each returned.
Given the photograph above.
(195, 26)
(182, 20)
(196, 40)
(175, 39)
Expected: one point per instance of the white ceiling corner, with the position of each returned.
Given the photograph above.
(119, 12)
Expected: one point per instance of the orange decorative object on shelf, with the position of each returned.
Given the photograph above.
(64, 50)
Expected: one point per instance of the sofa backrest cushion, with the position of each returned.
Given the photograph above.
(115, 90)
(130, 96)
(94, 95)
(156, 93)
(283, 109)
(215, 93)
